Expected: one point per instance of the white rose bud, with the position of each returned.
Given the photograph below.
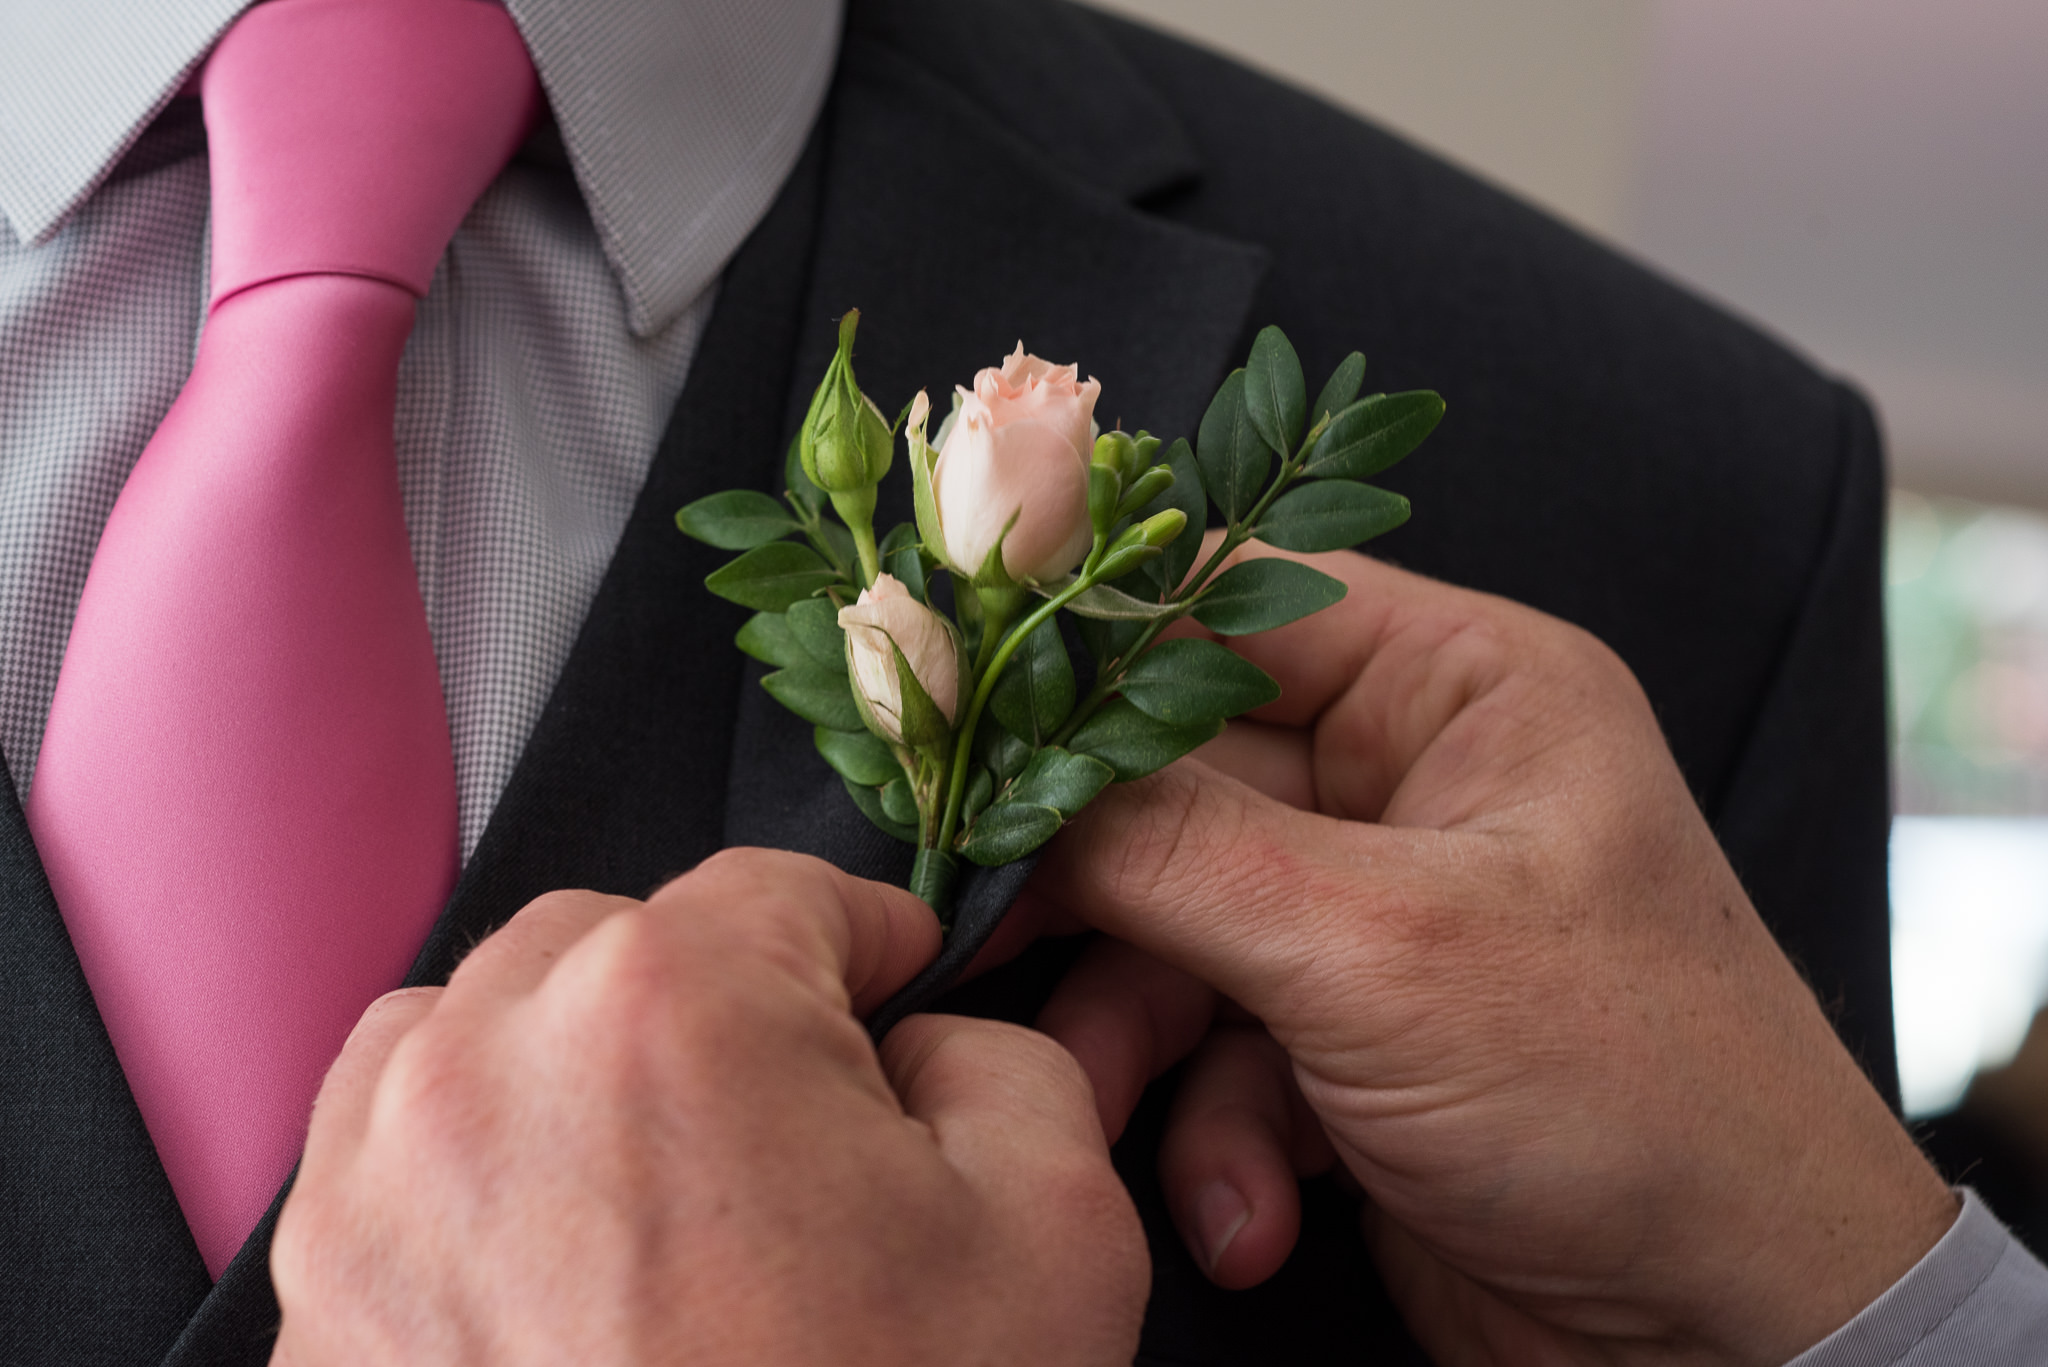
(1019, 449)
(887, 620)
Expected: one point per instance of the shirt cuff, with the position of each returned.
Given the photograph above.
(1977, 1298)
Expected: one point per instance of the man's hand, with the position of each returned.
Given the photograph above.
(1499, 967)
(637, 1133)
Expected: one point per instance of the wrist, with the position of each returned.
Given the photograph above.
(1841, 1242)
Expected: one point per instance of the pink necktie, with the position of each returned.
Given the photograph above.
(246, 794)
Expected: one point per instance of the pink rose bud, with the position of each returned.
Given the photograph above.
(1019, 449)
(886, 620)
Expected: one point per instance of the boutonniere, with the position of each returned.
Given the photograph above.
(934, 659)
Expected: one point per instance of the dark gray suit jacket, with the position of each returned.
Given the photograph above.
(1616, 452)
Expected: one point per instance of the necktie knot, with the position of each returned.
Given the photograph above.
(350, 137)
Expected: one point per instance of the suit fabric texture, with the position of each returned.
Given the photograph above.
(1616, 453)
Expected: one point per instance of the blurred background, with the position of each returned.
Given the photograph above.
(1869, 180)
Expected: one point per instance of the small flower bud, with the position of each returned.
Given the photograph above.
(845, 444)
(1147, 487)
(1130, 455)
(889, 633)
(1161, 529)
(1140, 543)
(1103, 485)
(1115, 451)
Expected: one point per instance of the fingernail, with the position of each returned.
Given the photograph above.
(1220, 1212)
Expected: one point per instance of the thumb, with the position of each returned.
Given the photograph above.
(1280, 909)
(1013, 1114)
(1001, 1100)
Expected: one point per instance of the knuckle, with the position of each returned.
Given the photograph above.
(575, 905)
(402, 1002)
(540, 924)
(619, 981)
(420, 1081)
(402, 997)
(749, 872)
(1036, 1058)
(302, 1227)
(758, 907)
(646, 999)
(735, 864)
(558, 901)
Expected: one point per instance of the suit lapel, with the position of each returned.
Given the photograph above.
(96, 1263)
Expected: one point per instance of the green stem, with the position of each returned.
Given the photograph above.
(870, 558)
(956, 789)
(856, 508)
(996, 617)
(1241, 531)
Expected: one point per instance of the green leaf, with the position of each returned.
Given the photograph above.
(1330, 515)
(1108, 639)
(1060, 779)
(1233, 456)
(1341, 390)
(817, 694)
(869, 800)
(1275, 395)
(1133, 744)
(1373, 433)
(1036, 689)
(844, 556)
(736, 520)
(932, 874)
(980, 789)
(797, 482)
(1186, 494)
(767, 638)
(772, 577)
(1258, 595)
(1105, 604)
(815, 624)
(901, 535)
(857, 756)
(1185, 682)
(1008, 831)
(899, 804)
(918, 717)
(923, 503)
(1003, 754)
(907, 564)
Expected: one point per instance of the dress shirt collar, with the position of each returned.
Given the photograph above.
(681, 118)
